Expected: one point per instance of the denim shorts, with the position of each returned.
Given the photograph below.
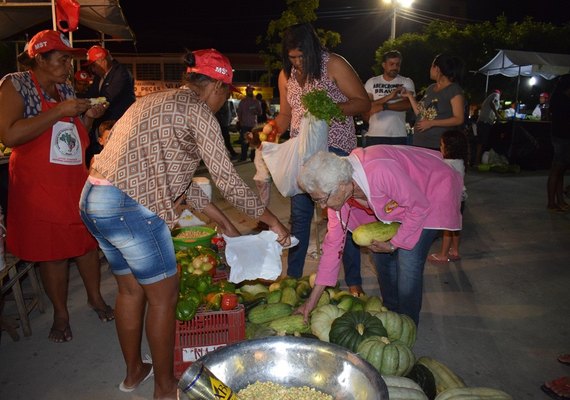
(134, 239)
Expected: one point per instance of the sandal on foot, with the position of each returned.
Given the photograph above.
(435, 258)
(453, 257)
(105, 314)
(60, 335)
(564, 359)
(552, 393)
(128, 389)
(356, 290)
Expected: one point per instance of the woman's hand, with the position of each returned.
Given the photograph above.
(73, 107)
(283, 234)
(97, 111)
(423, 125)
(380, 247)
(308, 306)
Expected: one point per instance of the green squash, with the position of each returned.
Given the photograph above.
(468, 393)
(389, 358)
(399, 326)
(350, 329)
(322, 319)
(400, 388)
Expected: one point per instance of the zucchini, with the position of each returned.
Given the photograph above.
(290, 324)
(479, 393)
(268, 312)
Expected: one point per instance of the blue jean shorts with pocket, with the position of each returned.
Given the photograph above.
(134, 239)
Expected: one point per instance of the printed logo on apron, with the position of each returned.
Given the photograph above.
(65, 144)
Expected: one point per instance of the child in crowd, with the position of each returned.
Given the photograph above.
(103, 133)
(454, 149)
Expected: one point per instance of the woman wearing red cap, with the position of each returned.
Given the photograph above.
(46, 126)
(129, 204)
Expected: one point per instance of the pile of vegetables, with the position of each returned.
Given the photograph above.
(197, 289)
(364, 326)
(321, 106)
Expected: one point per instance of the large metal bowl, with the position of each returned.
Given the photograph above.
(295, 361)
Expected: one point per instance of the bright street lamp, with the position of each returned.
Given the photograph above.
(396, 4)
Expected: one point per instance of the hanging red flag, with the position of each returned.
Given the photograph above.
(67, 15)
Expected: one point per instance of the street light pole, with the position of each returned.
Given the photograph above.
(393, 30)
(396, 4)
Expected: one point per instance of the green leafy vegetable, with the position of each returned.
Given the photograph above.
(318, 103)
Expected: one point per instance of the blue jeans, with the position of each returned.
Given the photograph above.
(400, 276)
(302, 208)
(134, 239)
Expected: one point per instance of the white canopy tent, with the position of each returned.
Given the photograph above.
(103, 16)
(518, 63)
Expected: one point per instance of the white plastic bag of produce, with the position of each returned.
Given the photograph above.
(284, 160)
(253, 257)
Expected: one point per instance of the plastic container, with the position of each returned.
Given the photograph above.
(184, 243)
(206, 332)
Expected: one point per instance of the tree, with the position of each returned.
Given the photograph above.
(298, 11)
(475, 44)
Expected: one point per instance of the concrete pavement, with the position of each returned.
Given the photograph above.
(498, 317)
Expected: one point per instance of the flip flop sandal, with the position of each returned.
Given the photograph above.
(453, 257)
(564, 359)
(434, 258)
(60, 335)
(128, 389)
(106, 314)
(552, 394)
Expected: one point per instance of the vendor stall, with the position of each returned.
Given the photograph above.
(524, 142)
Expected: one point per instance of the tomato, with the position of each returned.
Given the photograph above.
(229, 301)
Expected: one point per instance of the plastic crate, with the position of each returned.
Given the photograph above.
(206, 332)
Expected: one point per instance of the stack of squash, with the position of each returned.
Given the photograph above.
(366, 327)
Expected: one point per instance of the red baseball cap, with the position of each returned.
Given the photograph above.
(545, 95)
(96, 53)
(49, 40)
(83, 76)
(212, 63)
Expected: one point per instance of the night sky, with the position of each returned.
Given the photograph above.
(233, 26)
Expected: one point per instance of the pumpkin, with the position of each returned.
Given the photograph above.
(389, 358)
(350, 329)
(374, 304)
(399, 326)
(400, 388)
(322, 319)
(468, 393)
(444, 377)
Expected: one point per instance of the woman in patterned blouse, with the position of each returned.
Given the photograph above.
(307, 65)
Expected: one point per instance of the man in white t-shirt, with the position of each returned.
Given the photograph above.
(387, 116)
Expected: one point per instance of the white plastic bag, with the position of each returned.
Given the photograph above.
(253, 257)
(285, 160)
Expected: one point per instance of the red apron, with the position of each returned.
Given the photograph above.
(47, 176)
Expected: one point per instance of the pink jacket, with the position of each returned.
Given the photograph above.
(406, 184)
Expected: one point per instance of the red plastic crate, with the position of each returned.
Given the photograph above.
(206, 332)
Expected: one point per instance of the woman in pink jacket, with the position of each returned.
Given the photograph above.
(405, 184)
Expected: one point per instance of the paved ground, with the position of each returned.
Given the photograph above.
(499, 317)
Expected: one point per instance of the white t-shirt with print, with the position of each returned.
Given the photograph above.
(387, 123)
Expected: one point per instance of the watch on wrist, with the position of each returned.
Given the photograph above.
(385, 106)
